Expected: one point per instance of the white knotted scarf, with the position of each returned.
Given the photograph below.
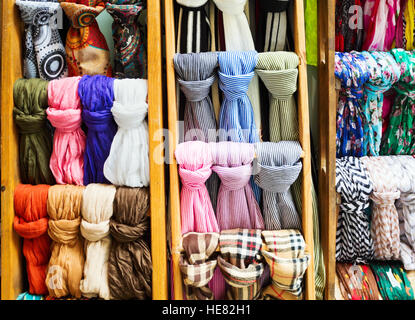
(238, 37)
(128, 163)
(97, 209)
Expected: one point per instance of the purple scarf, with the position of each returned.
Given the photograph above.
(97, 96)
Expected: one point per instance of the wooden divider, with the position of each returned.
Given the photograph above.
(11, 69)
(327, 143)
(303, 116)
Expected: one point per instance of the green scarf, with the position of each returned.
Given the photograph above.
(30, 101)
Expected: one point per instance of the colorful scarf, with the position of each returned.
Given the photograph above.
(349, 25)
(399, 136)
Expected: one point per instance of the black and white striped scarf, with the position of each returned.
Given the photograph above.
(354, 243)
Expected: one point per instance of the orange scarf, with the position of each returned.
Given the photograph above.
(31, 223)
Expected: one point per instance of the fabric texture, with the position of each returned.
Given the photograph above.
(193, 27)
(67, 260)
(277, 167)
(97, 209)
(129, 266)
(349, 27)
(392, 280)
(198, 263)
(384, 73)
(44, 52)
(128, 160)
(237, 206)
(130, 57)
(31, 223)
(287, 256)
(238, 37)
(236, 119)
(196, 74)
(239, 263)
(195, 167)
(35, 142)
(354, 242)
(276, 67)
(97, 97)
(351, 69)
(64, 113)
(357, 282)
(385, 220)
(86, 48)
(398, 137)
(272, 25)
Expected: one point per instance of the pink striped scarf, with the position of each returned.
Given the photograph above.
(237, 206)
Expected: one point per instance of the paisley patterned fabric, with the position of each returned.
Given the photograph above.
(399, 135)
(351, 69)
(86, 48)
(384, 73)
(44, 53)
(130, 54)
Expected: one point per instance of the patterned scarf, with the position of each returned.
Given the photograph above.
(349, 25)
(86, 48)
(240, 249)
(44, 53)
(351, 69)
(384, 73)
(198, 264)
(399, 136)
(385, 221)
(130, 57)
(353, 240)
(288, 259)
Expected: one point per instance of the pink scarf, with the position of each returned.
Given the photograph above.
(237, 206)
(64, 113)
(380, 24)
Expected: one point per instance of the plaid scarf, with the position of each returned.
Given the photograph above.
(198, 264)
(288, 259)
(239, 262)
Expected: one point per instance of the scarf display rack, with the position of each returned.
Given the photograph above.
(304, 139)
(328, 93)
(12, 260)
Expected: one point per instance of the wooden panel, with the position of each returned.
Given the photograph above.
(304, 128)
(155, 124)
(176, 231)
(327, 143)
(11, 258)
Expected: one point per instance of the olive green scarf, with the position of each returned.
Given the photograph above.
(30, 101)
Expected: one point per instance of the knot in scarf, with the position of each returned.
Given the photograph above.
(278, 166)
(30, 99)
(191, 5)
(129, 265)
(236, 201)
(278, 71)
(196, 91)
(235, 87)
(97, 209)
(64, 113)
(385, 199)
(124, 15)
(97, 96)
(81, 15)
(406, 61)
(35, 145)
(231, 7)
(195, 162)
(31, 223)
(37, 13)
